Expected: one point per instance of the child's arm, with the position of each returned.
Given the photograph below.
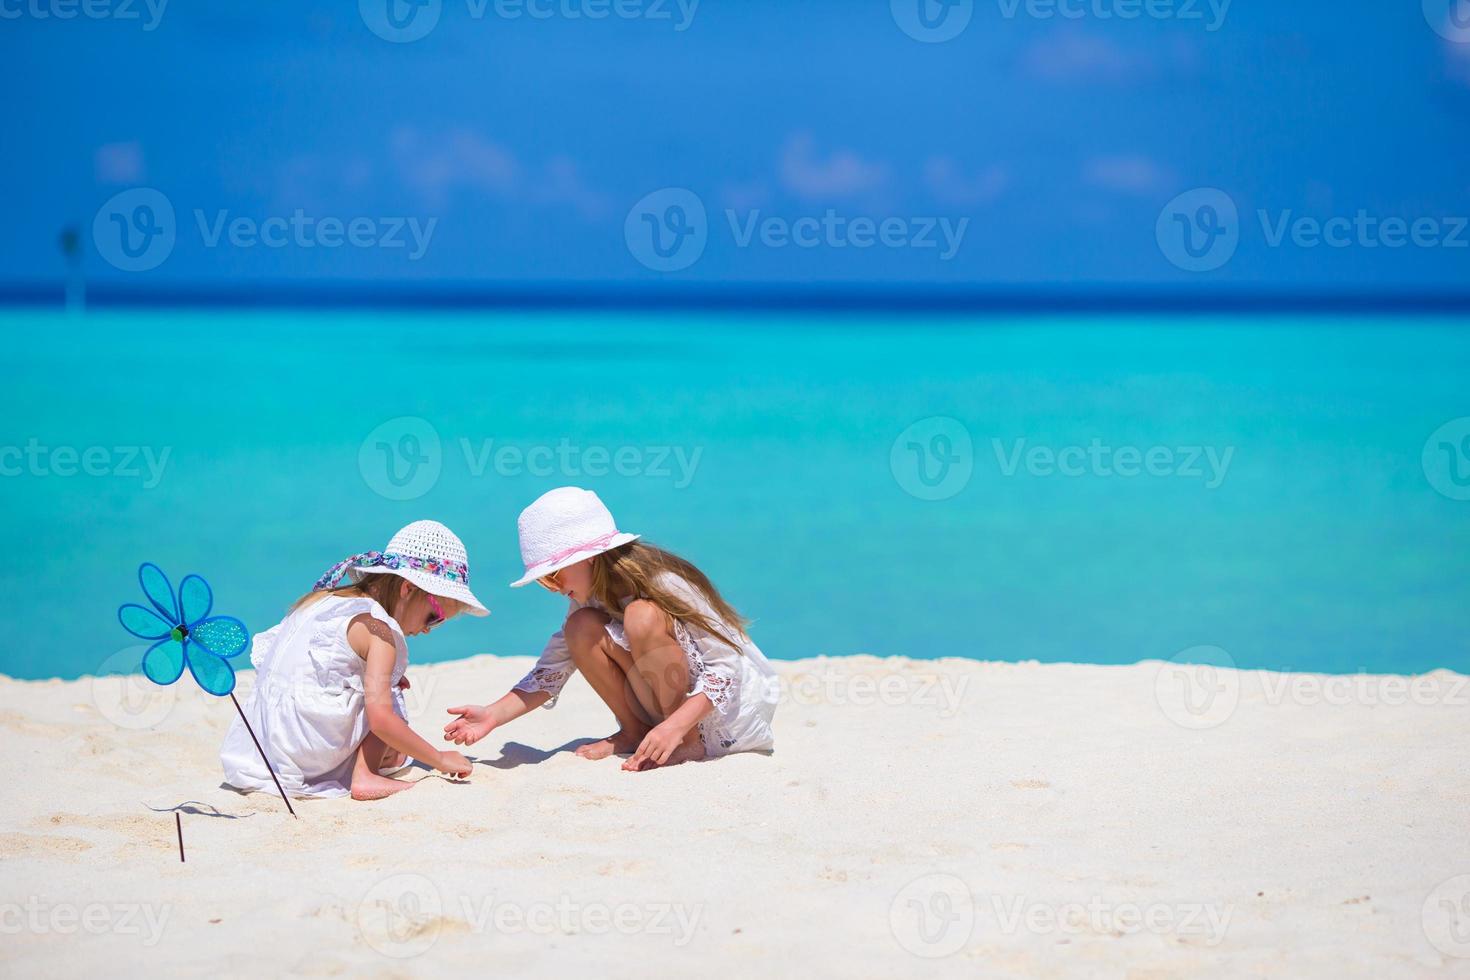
(539, 687)
(375, 643)
(475, 721)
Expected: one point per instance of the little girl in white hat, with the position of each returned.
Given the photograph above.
(328, 698)
(652, 635)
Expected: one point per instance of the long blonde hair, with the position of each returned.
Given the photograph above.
(384, 588)
(635, 568)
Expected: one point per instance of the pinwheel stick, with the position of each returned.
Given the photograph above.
(179, 826)
(263, 756)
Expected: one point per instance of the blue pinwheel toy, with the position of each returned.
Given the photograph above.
(185, 632)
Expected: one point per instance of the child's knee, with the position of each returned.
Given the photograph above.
(584, 629)
(644, 622)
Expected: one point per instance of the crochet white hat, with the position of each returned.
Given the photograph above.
(426, 553)
(565, 526)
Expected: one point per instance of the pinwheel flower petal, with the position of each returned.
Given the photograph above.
(164, 662)
(159, 592)
(196, 598)
(211, 673)
(142, 622)
(223, 636)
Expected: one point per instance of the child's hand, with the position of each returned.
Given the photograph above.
(453, 764)
(474, 723)
(657, 746)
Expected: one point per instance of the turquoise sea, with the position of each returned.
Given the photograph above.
(1104, 489)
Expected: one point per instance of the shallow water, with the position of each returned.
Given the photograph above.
(1278, 506)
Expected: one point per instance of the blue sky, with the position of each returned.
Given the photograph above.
(1047, 142)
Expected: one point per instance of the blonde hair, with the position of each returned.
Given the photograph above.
(384, 588)
(635, 569)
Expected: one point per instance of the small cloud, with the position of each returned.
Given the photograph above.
(842, 174)
(119, 163)
(744, 197)
(562, 183)
(1126, 174)
(951, 185)
(464, 159)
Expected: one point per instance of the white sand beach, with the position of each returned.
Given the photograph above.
(954, 817)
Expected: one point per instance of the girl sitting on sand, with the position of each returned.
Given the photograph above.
(328, 697)
(653, 637)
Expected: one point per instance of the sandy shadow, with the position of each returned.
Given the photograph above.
(198, 809)
(515, 754)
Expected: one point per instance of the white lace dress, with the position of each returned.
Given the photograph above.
(307, 706)
(740, 682)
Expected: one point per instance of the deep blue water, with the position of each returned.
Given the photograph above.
(1289, 517)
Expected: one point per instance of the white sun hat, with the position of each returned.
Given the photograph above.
(426, 553)
(565, 526)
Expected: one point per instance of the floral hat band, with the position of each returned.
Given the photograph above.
(452, 571)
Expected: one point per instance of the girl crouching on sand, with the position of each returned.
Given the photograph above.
(328, 697)
(652, 635)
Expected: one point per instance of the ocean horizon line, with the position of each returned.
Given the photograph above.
(759, 297)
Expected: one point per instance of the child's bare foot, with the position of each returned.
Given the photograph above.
(371, 786)
(618, 743)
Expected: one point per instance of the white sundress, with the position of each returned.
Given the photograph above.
(740, 683)
(307, 707)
